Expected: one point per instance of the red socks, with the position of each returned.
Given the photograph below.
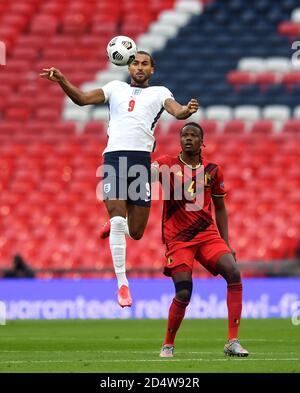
(234, 305)
(176, 315)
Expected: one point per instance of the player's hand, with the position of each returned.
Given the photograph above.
(193, 106)
(53, 74)
(232, 252)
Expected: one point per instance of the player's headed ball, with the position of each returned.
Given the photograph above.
(121, 50)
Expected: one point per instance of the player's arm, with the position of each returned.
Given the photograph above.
(222, 219)
(179, 111)
(79, 97)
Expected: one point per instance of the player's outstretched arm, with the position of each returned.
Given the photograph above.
(79, 97)
(179, 111)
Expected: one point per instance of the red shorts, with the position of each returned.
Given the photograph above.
(206, 251)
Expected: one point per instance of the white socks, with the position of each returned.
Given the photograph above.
(117, 244)
(127, 229)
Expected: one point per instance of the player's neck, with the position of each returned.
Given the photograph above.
(191, 160)
(141, 85)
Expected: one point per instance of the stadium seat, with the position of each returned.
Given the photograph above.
(234, 127)
(262, 127)
(210, 127)
(290, 79)
(277, 64)
(218, 113)
(238, 78)
(292, 126)
(290, 29)
(264, 79)
(44, 25)
(251, 64)
(247, 112)
(75, 23)
(276, 112)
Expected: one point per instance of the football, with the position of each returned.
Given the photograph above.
(121, 50)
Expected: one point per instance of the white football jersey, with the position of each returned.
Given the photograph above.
(134, 112)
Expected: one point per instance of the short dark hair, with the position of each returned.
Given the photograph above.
(196, 125)
(142, 52)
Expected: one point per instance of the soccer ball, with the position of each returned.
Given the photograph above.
(121, 50)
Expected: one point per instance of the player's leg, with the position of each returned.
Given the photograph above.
(115, 186)
(216, 257)
(179, 266)
(117, 242)
(139, 194)
(228, 268)
(137, 218)
(136, 222)
(183, 290)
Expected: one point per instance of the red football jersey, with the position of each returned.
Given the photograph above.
(180, 222)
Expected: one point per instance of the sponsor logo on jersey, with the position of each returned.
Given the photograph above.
(136, 92)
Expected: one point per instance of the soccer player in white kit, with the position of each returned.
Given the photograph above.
(134, 111)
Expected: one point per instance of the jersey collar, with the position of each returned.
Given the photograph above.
(188, 165)
(139, 87)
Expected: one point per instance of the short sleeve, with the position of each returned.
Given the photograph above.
(162, 160)
(108, 88)
(165, 94)
(218, 188)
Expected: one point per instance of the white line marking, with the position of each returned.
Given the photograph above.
(145, 360)
(139, 352)
(120, 339)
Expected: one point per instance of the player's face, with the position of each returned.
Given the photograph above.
(191, 140)
(140, 69)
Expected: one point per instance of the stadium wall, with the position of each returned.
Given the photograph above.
(96, 299)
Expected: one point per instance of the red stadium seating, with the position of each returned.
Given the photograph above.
(57, 183)
(262, 127)
(290, 29)
(292, 126)
(291, 78)
(239, 78)
(48, 206)
(235, 127)
(264, 79)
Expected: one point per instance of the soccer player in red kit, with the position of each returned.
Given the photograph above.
(191, 234)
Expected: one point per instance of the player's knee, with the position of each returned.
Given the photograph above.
(136, 234)
(233, 275)
(118, 223)
(184, 296)
(116, 209)
(184, 290)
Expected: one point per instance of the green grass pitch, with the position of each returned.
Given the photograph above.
(131, 346)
